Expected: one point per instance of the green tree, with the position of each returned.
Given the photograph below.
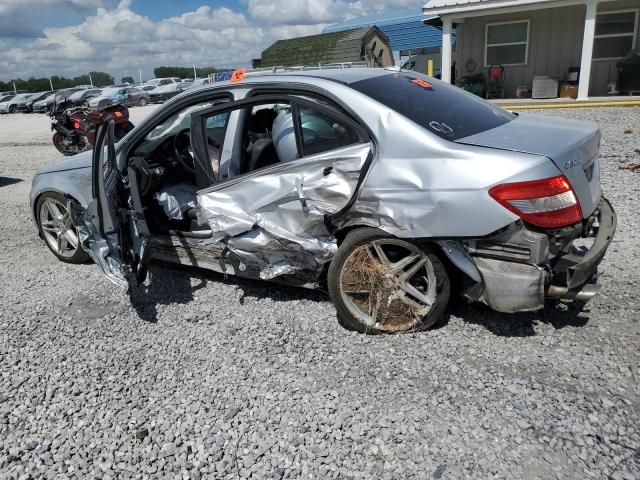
(127, 79)
(101, 79)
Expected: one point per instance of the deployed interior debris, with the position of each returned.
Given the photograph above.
(175, 200)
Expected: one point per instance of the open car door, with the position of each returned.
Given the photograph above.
(113, 229)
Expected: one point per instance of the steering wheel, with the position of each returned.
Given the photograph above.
(183, 152)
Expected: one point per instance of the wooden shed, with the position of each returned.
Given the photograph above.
(367, 44)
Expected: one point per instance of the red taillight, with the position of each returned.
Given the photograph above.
(547, 203)
(77, 126)
(117, 114)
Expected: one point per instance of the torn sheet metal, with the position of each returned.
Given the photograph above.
(99, 249)
(273, 222)
(459, 256)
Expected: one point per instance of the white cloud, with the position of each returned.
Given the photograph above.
(121, 41)
(309, 12)
(306, 12)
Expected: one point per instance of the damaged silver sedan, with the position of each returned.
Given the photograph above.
(391, 188)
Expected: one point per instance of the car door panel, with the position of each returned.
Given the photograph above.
(272, 221)
(113, 228)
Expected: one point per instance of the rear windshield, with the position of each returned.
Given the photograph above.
(447, 111)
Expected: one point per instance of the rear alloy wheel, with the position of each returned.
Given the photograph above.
(12, 109)
(383, 284)
(57, 230)
(142, 102)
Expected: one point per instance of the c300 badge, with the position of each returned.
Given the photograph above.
(571, 164)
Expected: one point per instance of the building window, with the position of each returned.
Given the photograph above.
(615, 34)
(506, 43)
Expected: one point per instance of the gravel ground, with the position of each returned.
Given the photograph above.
(212, 377)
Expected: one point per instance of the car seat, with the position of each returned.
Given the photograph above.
(260, 151)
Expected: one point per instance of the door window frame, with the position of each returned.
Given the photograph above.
(198, 126)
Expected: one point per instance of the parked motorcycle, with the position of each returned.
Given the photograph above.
(75, 127)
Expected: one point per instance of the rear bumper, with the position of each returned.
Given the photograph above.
(518, 268)
(574, 275)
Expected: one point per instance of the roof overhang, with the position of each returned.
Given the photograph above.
(491, 7)
(434, 21)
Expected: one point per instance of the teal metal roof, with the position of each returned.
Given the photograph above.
(405, 29)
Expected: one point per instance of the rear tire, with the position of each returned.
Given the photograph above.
(55, 227)
(12, 109)
(383, 284)
(63, 148)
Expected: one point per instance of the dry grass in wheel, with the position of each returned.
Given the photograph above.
(374, 289)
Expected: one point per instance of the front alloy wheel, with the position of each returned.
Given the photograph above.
(57, 230)
(383, 284)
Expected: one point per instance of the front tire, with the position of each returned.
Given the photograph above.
(383, 284)
(12, 109)
(142, 102)
(54, 224)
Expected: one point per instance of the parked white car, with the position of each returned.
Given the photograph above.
(158, 82)
(13, 104)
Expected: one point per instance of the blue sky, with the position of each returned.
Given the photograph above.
(71, 37)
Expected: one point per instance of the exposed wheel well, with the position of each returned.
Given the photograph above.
(40, 195)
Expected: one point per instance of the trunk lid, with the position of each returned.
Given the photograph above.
(571, 145)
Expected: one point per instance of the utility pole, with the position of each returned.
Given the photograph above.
(90, 79)
(195, 75)
(14, 87)
(140, 73)
(51, 83)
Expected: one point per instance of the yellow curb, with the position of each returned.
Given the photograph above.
(543, 106)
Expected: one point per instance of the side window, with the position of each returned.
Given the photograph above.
(321, 132)
(168, 128)
(268, 136)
